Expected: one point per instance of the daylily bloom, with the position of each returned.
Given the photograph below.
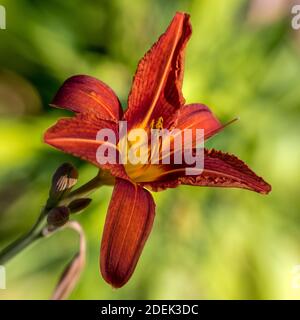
(155, 98)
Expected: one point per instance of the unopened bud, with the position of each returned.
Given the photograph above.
(64, 178)
(79, 204)
(58, 216)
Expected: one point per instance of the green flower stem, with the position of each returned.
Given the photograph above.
(24, 241)
(36, 232)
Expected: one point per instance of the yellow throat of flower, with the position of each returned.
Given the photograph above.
(142, 171)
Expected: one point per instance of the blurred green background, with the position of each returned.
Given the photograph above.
(243, 60)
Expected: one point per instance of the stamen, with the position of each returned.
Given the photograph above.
(160, 123)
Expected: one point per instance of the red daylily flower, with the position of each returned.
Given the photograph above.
(155, 94)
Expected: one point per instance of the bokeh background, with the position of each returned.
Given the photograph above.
(242, 60)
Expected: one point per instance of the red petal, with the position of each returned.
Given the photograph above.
(220, 170)
(156, 89)
(85, 94)
(77, 136)
(128, 224)
(197, 116)
(225, 170)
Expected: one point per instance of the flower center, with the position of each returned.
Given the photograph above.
(139, 151)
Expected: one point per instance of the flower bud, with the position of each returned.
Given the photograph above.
(58, 216)
(64, 178)
(79, 204)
